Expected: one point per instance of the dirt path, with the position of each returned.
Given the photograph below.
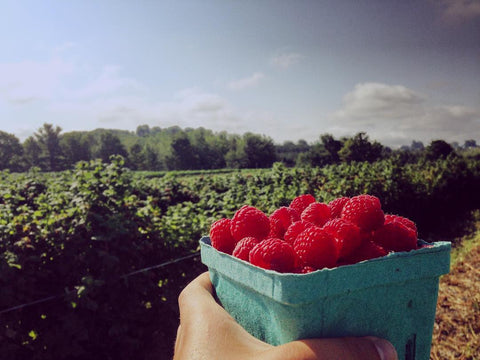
(456, 333)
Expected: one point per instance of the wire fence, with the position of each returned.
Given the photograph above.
(136, 272)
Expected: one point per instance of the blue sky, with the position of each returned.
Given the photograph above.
(398, 70)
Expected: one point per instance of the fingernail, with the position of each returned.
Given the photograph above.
(385, 349)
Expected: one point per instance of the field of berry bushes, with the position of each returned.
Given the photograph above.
(78, 241)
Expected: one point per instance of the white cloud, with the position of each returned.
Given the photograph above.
(28, 81)
(77, 96)
(458, 11)
(387, 101)
(65, 47)
(190, 107)
(396, 115)
(107, 82)
(248, 82)
(286, 60)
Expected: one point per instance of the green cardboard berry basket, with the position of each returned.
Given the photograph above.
(393, 297)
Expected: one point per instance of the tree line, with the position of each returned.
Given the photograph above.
(174, 148)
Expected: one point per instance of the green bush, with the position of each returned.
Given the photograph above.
(75, 234)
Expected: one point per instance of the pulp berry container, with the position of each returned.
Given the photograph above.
(393, 297)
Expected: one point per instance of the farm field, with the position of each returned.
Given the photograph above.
(101, 242)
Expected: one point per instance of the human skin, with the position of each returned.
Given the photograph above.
(208, 332)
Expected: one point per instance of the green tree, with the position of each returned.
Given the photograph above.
(235, 157)
(260, 151)
(173, 130)
(48, 138)
(209, 151)
(289, 152)
(417, 146)
(222, 144)
(317, 155)
(183, 155)
(31, 153)
(155, 130)
(152, 159)
(110, 144)
(11, 152)
(438, 149)
(359, 148)
(321, 153)
(136, 157)
(76, 146)
(332, 146)
(143, 130)
(469, 144)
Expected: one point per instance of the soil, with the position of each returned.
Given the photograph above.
(456, 333)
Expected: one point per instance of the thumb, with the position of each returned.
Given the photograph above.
(349, 348)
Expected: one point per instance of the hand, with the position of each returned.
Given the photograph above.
(208, 332)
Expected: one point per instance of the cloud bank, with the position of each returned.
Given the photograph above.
(286, 60)
(64, 93)
(458, 11)
(248, 82)
(396, 115)
(29, 81)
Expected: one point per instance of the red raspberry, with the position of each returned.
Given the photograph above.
(221, 237)
(316, 248)
(336, 206)
(295, 229)
(274, 254)
(301, 202)
(365, 211)
(366, 251)
(395, 236)
(307, 269)
(365, 235)
(281, 219)
(403, 220)
(346, 234)
(243, 248)
(316, 213)
(249, 221)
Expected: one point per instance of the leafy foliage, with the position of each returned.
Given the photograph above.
(76, 234)
(10, 151)
(174, 148)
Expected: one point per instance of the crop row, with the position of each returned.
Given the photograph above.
(75, 234)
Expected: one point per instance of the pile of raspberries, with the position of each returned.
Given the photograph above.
(309, 235)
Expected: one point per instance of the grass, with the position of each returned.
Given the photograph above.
(456, 333)
(464, 245)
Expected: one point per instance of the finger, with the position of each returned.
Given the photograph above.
(197, 298)
(366, 348)
(207, 330)
(385, 349)
(200, 286)
(203, 281)
(178, 340)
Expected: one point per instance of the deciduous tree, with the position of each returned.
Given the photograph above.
(76, 146)
(136, 157)
(11, 152)
(359, 148)
(260, 151)
(110, 145)
(438, 149)
(183, 155)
